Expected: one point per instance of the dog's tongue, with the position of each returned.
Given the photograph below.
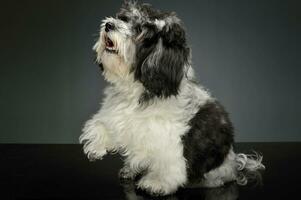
(109, 42)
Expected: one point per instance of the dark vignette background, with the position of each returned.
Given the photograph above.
(246, 52)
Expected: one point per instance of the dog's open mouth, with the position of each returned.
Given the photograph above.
(110, 47)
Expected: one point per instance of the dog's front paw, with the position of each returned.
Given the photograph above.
(126, 173)
(154, 186)
(95, 140)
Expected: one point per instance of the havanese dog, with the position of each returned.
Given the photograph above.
(168, 128)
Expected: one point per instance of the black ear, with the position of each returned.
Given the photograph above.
(162, 69)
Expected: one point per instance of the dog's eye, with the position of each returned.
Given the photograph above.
(123, 18)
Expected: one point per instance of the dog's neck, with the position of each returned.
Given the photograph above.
(128, 87)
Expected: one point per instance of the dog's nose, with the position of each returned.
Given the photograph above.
(109, 26)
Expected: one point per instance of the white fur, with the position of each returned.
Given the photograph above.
(117, 66)
(149, 137)
(160, 23)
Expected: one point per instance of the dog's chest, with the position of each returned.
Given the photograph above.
(130, 124)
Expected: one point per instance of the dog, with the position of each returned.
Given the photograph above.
(169, 129)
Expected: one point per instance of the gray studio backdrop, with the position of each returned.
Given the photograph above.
(246, 52)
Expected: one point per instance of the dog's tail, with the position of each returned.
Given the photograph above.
(239, 167)
(248, 167)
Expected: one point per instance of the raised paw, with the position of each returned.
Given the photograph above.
(95, 140)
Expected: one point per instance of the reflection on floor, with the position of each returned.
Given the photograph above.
(63, 172)
(228, 192)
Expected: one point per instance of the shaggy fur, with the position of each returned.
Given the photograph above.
(168, 128)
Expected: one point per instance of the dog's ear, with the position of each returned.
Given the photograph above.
(162, 69)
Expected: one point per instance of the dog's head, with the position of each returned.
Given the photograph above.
(146, 45)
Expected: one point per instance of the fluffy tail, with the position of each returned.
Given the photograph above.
(242, 168)
(248, 168)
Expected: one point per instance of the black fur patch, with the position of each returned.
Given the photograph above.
(208, 141)
(161, 54)
(145, 9)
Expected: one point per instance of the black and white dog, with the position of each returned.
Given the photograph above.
(169, 128)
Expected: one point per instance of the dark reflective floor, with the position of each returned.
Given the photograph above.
(63, 172)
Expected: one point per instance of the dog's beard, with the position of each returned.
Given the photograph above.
(116, 52)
